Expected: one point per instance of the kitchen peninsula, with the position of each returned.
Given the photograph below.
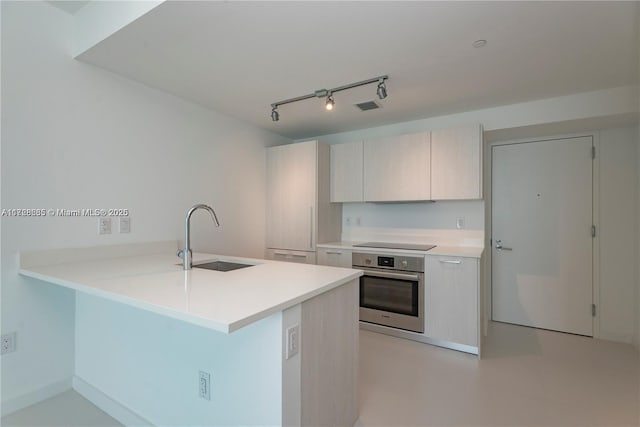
(279, 340)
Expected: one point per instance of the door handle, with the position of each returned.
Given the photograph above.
(500, 247)
(311, 227)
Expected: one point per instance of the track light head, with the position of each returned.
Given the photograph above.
(382, 89)
(275, 116)
(330, 103)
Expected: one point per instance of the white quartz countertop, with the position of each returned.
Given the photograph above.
(223, 301)
(459, 251)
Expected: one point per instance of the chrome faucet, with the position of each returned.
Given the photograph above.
(185, 253)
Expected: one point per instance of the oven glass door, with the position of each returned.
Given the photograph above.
(390, 294)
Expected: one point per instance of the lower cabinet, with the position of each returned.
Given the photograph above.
(334, 257)
(451, 293)
(291, 256)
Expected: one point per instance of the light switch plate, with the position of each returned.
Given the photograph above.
(8, 343)
(104, 226)
(204, 385)
(293, 341)
(125, 224)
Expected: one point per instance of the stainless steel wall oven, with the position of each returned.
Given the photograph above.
(391, 290)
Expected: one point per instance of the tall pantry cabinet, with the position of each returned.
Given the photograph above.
(299, 214)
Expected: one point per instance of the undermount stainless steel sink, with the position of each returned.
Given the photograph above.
(222, 265)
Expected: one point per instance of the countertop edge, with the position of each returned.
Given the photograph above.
(441, 250)
(195, 320)
(131, 302)
(292, 302)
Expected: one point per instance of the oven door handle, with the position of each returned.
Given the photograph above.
(389, 275)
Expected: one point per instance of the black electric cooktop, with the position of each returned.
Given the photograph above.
(387, 245)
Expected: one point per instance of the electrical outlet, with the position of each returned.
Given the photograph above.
(347, 221)
(460, 223)
(205, 385)
(293, 341)
(104, 226)
(125, 224)
(8, 343)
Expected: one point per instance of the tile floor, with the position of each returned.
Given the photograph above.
(527, 377)
(68, 409)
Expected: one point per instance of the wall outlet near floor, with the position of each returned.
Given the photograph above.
(125, 224)
(293, 341)
(460, 223)
(8, 343)
(347, 221)
(204, 385)
(104, 226)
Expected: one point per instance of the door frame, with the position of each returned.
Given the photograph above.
(595, 211)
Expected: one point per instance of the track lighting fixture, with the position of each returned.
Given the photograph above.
(330, 102)
(324, 93)
(382, 89)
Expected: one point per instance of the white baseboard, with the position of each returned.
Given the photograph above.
(19, 402)
(109, 405)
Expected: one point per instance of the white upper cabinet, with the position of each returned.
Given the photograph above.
(456, 163)
(298, 210)
(397, 168)
(439, 165)
(291, 196)
(346, 172)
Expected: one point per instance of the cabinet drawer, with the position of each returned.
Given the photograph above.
(300, 257)
(334, 257)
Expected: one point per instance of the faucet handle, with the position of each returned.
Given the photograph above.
(180, 253)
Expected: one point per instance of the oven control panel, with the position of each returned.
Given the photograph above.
(388, 262)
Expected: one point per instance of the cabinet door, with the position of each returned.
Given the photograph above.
(334, 257)
(291, 256)
(346, 172)
(452, 299)
(456, 164)
(397, 168)
(291, 196)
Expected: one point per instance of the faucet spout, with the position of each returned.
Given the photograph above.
(186, 252)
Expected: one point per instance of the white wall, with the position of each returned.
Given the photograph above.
(154, 371)
(75, 136)
(617, 233)
(426, 215)
(416, 222)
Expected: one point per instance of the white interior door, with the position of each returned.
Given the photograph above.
(541, 234)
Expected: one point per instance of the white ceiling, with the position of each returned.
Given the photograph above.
(239, 57)
(69, 6)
